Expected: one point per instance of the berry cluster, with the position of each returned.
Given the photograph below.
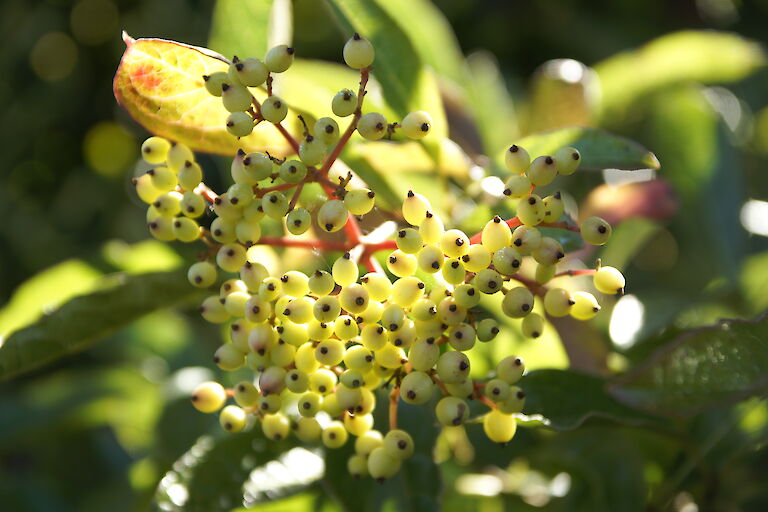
(321, 343)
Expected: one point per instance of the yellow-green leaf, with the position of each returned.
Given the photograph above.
(491, 106)
(309, 86)
(701, 56)
(85, 319)
(45, 291)
(248, 28)
(160, 84)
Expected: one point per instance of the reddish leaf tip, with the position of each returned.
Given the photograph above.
(128, 40)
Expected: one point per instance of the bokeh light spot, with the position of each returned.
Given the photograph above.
(109, 148)
(54, 56)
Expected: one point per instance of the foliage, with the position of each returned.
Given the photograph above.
(657, 414)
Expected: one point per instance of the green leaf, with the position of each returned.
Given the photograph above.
(563, 92)
(146, 256)
(567, 399)
(754, 281)
(700, 56)
(45, 291)
(248, 28)
(701, 369)
(309, 86)
(430, 34)
(392, 168)
(606, 466)
(628, 237)
(406, 85)
(82, 321)
(491, 105)
(704, 169)
(599, 149)
(160, 84)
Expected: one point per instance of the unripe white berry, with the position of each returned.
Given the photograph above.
(358, 52)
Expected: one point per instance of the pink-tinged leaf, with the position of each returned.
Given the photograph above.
(160, 83)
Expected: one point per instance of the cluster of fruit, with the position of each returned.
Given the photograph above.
(322, 344)
(261, 182)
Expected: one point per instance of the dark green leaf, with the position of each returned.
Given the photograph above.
(704, 170)
(83, 320)
(606, 467)
(214, 471)
(430, 34)
(570, 240)
(248, 28)
(700, 369)
(568, 398)
(415, 488)
(599, 149)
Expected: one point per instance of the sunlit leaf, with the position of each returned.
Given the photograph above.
(248, 28)
(754, 281)
(392, 168)
(491, 105)
(567, 399)
(160, 84)
(309, 85)
(146, 256)
(599, 149)
(563, 92)
(701, 368)
(701, 56)
(84, 320)
(45, 291)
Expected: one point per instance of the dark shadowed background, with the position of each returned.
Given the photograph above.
(97, 430)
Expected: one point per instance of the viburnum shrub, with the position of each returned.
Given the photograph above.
(321, 344)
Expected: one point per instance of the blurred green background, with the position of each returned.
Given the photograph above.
(96, 431)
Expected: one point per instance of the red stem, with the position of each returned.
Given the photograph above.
(386, 245)
(295, 197)
(583, 272)
(484, 399)
(352, 228)
(294, 144)
(352, 125)
(533, 286)
(322, 245)
(207, 193)
(371, 264)
(283, 186)
(561, 225)
(393, 396)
